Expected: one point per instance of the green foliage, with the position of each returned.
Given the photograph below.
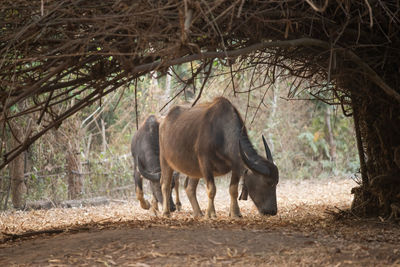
(313, 157)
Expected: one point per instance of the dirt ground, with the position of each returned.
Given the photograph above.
(306, 232)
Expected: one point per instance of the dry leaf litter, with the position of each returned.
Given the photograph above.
(306, 231)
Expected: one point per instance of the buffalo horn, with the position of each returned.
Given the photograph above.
(152, 176)
(267, 151)
(253, 164)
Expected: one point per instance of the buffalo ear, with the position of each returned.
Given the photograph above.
(152, 176)
(267, 151)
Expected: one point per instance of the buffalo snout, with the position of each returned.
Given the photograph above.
(267, 212)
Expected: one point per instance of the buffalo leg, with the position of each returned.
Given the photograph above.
(154, 202)
(211, 189)
(234, 210)
(157, 195)
(139, 190)
(166, 179)
(172, 206)
(154, 206)
(190, 188)
(176, 187)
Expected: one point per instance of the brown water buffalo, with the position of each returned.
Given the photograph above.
(145, 152)
(210, 140)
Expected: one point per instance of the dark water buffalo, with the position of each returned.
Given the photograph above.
(145, 151)
(210, 140)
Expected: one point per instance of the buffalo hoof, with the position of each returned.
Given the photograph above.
(178, 206)
(211, 215)
(173, 208)
(235, 216)
(197, 214)
(166, 214)
(154, 212)
(145, 204)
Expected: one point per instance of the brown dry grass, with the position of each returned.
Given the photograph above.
(304, 233)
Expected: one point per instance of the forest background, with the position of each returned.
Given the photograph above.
(89, 154)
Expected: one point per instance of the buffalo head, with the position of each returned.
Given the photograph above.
(260, 180)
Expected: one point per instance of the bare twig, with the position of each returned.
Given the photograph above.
(208, 72)
(318, 9)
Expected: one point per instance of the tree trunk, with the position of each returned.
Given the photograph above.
(103, 134)
(330, 139)
(271, 118)
(377, 122)
(168, 80)
(17, 167)
(87, 150)
(75, 184)
(154, 81)
(167, 91)
(69, 139)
